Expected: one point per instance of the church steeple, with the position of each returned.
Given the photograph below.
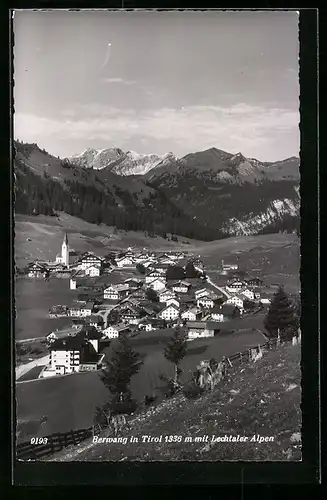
(65, 251)
(66, 238)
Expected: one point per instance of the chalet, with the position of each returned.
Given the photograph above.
(68, 355)
(236, 300)
(200, 329)
(140, 258)
(153, 275)
(247, 294)
(150, 324)
(133, 283)
(254, 282)
(96, 321)
(114, 331)
(139, 294)
(158, 284)
(265, 298)
(89, 260)
(130, 315)
(93, 270)
(169, 313)
(173, 301)
(181, 287)
(87, 309)
(207, 301)
(192, 314)
(36, 270)
(198, 263)
(235, 286)
(165, 295)
(125, 261)
(224, 312)
(116, 292)
(65, 333)
(159, 268)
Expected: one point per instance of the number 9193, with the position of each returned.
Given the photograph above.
(43, 440)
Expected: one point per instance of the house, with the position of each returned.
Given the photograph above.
(169, 313)
(165, 295)
(198, 263)
(173, 301)
(235, 286)
(93, 270)
(153, 275)
(200, 329)
(181, 286)
(133, 283)
(207, 300)
(116, 292)
(125, 261)
(67, 355)
(158, 284)
(36, 270)
(265, 298)
(224, 312)
(130, 315)
(96, 321)
(151, 324)
(247, 294)
(254, 282)
(192, 314)
(86, 310)
(88, 260)
(114, 331)
(64, 333)
(237, 300)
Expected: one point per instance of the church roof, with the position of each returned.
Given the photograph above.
(66, 238)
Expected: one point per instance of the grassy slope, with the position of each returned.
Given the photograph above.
(268, 404)
(46, 234)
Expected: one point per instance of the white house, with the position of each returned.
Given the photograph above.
(88, 260)
(158, 284)
(191, 314)
(248, 294)
(65, 356)
(235, 286)
(113, 331)
(169, 313)
(196, 329)
(237, 300)
(265, 299)
(181, 287)
(153, 275)
(116, 292)
(93, 270)
(205, 302)
(228, 267)
(72, 283)
(86, 310)
(125, 262)
(166, 295)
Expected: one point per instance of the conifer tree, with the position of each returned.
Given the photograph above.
(124, 363)
(281, 316)
(175, 350)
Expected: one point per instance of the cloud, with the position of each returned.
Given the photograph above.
(253, 130)
(121, 81)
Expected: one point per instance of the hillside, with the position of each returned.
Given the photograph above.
(40, 237)
(207, 195)
(255, 399)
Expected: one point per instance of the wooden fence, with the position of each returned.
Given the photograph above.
(51, 444)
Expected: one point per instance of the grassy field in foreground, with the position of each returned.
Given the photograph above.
(255, 399)
(69, 402)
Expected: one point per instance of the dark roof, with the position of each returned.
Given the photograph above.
(210, 325)
(68, 344)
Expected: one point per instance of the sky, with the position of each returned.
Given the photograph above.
(176, 82)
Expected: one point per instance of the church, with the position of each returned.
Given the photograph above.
(63, 258)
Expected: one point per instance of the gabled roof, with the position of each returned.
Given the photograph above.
(68, 344)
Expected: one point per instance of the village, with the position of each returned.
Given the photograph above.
(166, 290)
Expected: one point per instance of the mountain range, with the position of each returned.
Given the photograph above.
(204, 195)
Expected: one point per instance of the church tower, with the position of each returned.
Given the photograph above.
(65, 251)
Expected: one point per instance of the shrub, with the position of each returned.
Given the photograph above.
(192, 391)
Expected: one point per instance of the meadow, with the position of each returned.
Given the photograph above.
(69, 402)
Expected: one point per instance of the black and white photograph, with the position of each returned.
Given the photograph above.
(157, 236)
